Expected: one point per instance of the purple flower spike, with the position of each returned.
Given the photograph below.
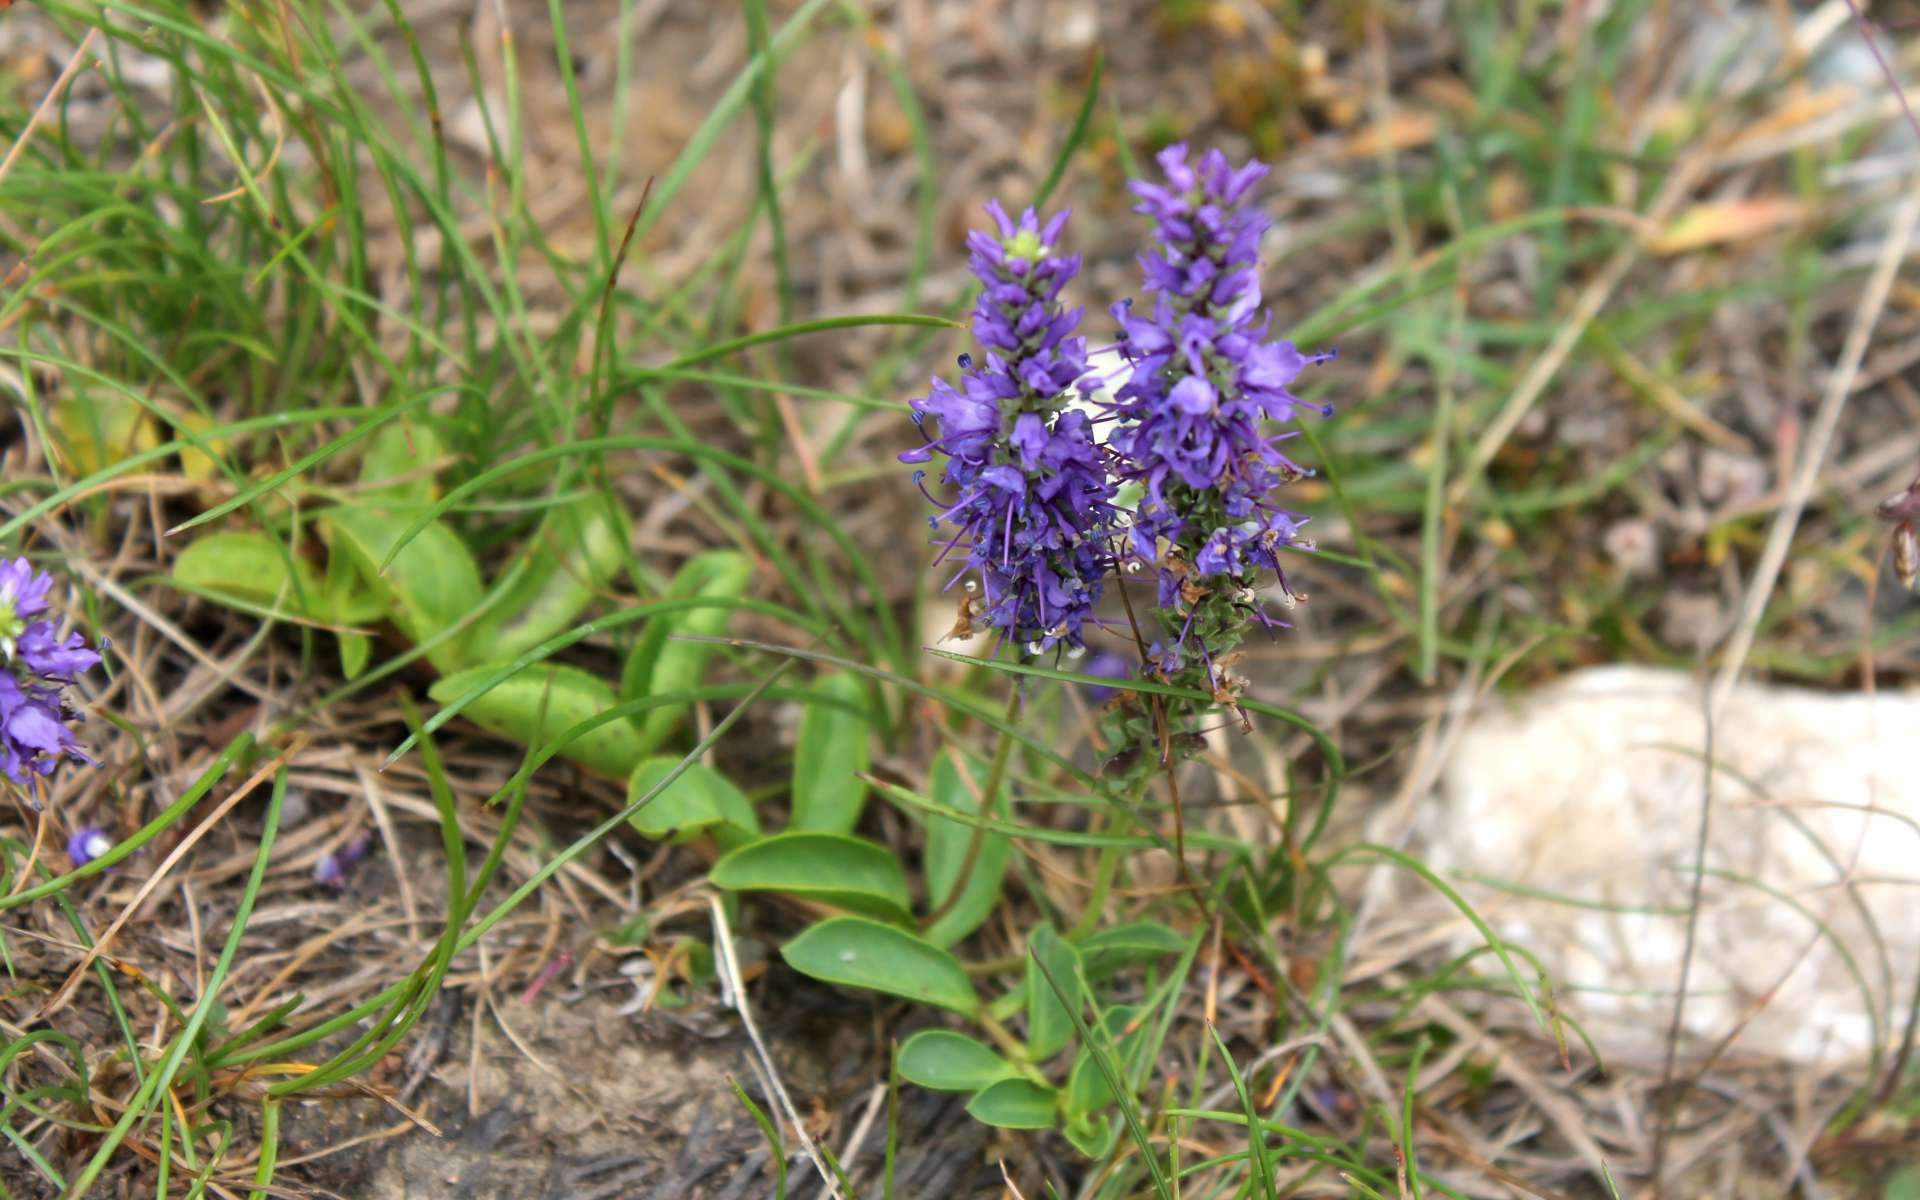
(87, 843)
(35, 716)
(1188, 420)
(1030, 489)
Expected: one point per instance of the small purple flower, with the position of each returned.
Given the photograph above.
(46, 654)
(22, 593)
(87, 843)
(1031, 491)
(1105, 665)
(35, 716)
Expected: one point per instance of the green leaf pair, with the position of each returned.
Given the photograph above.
(945, 1061)
(1012, 1094)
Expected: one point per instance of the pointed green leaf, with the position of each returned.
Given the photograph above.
(1091, 1135)
(399, 465)
(350, 601)
(857, 952)
(946, 1061)
(540, 702)
(251, 568)
(1109, 950)
(432, 584)
(701, 801)
(657, 665)
(355, 650)
(1049, 1027)
(948, 843)
(576, 550)
(1089, 1090)
(834, 749)
(1014, 1104)
(833, 868)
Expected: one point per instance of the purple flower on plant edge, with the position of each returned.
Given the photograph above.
(36, 718)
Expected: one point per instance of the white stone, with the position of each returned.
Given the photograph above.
(1591, 789)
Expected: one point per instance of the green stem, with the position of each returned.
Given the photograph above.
(1015, 1049)
(1103, 874)
(1002, 751)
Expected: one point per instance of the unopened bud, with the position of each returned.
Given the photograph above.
(87, 844)
(1900, 506)
(1906, 554)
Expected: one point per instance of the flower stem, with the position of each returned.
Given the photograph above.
(1002, 751)
(1103, 874)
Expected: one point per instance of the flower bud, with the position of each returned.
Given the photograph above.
(86, 844)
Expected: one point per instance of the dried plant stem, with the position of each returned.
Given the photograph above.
(1773, 555)
(1679, 184)
(1670, 1100)
(734, 990)
(48, 101)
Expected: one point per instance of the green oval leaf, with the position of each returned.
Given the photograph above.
(847, 872)
(576, 550)
(700, 801)
(1051, 992)
(432, 583)
(251, 568)
(945, 1061)
(948, 844)
(1088, 1089)
(1014, 1104)
(834, 749)
(1109, 950)
(538, 703)
(657, 665)
(351, 602)
(399, 464)
(857, 952)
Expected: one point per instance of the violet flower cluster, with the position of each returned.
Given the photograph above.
(1032, 504)
(1031, 494)
(1189, 418)
(36, 718)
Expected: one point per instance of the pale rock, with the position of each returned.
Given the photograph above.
(1590, 789)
